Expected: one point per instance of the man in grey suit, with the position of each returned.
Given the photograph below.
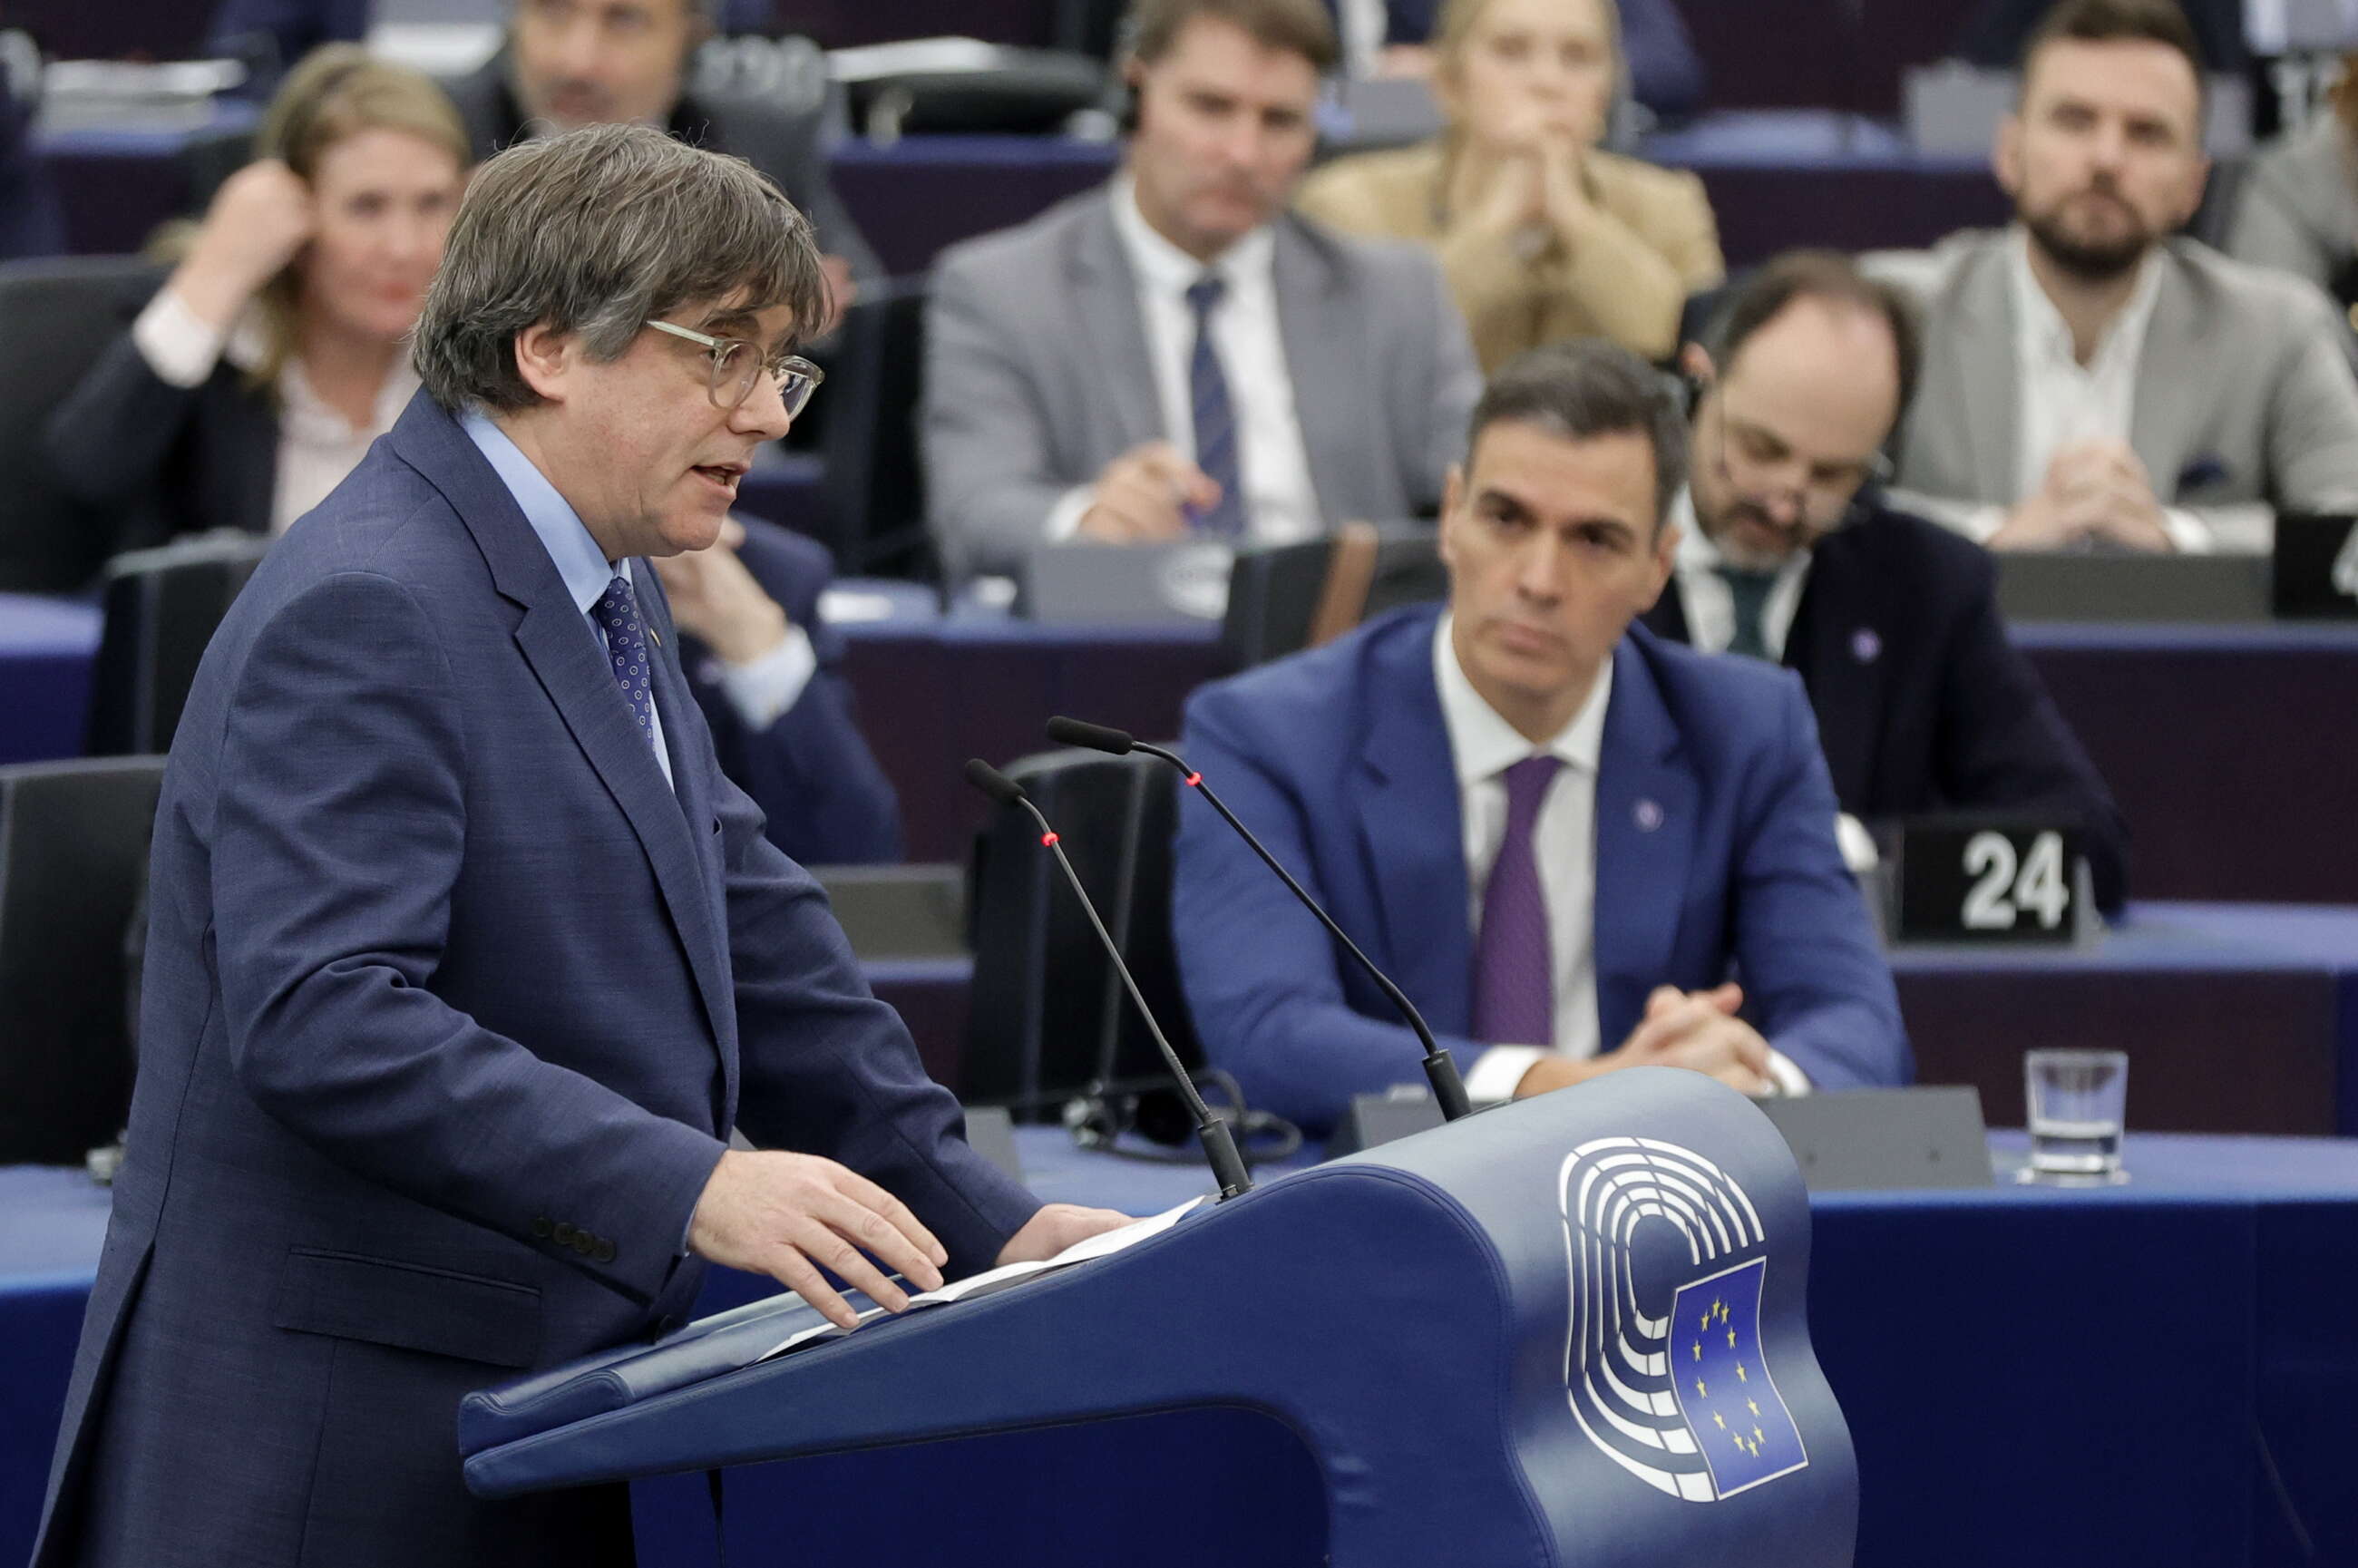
(1177, 354)
(2090, 383)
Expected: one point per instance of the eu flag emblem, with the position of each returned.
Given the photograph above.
(1721, 1383)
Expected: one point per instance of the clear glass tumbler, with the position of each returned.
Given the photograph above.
(2075, 1100)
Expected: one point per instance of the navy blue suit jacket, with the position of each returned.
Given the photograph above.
(450, 1002)
(825, 801)
(1923, 704)
(1715, 857)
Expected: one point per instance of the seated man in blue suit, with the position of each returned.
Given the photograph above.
(464, 957)
(766, 669)
(1575, 848)
(1786, 553)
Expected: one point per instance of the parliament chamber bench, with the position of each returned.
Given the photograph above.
(1777, 179)
(2236, 1018)
(2157, 1373)
(2227, 746)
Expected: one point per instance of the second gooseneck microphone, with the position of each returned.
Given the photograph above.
(1219, 1144)
(1440, 1069)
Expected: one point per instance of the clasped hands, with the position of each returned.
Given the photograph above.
(788, 1216)
(2093, 490)
(1695, 1030)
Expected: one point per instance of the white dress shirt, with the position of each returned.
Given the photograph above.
(1483, 746)
(2061, 402)
(317, 445)
(1710, 604)
(1281, 504)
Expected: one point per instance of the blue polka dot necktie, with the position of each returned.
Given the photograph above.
(617, 614)
(1215, 419)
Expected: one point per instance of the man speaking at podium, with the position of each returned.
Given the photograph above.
(1574, 847)
(464, 957)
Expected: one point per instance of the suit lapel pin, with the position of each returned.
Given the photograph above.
(1865, 646)
(1649, 814)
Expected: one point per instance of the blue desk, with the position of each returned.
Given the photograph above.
(2237, 1018)
(2032, 1376)
(117, 184)
(45, 649)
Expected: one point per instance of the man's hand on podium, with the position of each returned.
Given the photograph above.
(787, 1214)
(1056, 1227)
(1696, 1030)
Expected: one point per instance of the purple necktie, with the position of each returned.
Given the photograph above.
(1514, 968)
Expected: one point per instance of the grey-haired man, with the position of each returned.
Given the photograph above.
(464, 957)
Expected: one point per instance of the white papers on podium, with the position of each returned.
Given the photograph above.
(992, 1281)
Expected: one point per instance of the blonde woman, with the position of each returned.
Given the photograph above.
(1542, 234)
(276, 354)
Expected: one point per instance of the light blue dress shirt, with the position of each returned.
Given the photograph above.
(579, 561)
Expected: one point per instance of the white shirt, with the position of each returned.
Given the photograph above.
(2061, 402)
(1281, 504)
(1710, 604)
(1483, 746)
(317, 445)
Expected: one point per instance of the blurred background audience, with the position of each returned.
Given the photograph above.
(276, 351)
(2298, 210)
(1542, 234)
(1175, 354)
(2092, 382)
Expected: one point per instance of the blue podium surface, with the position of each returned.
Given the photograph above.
(2158, 1374)
(1569, 1331)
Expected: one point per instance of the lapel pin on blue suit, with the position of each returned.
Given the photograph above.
(1683, 1401)
(1865, 646)
(1649, 814)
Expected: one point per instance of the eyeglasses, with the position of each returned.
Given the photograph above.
(737, 364)
(1826, 493)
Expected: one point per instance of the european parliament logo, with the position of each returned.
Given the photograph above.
(1676, 1391)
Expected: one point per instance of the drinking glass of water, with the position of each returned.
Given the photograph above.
(2075, 1100)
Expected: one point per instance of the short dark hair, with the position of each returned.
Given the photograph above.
(2119, 21)
(1762, 296)
(1297, 26)
(1585, 387)
(594, 232)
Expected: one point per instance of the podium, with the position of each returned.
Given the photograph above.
(1571, 1330)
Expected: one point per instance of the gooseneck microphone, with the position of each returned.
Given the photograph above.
(1440, 1070)
(1220, 1144)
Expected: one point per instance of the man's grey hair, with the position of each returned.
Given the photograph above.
(1587, 388)
(596, 233)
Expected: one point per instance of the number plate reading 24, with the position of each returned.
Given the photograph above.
(1985, 882)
